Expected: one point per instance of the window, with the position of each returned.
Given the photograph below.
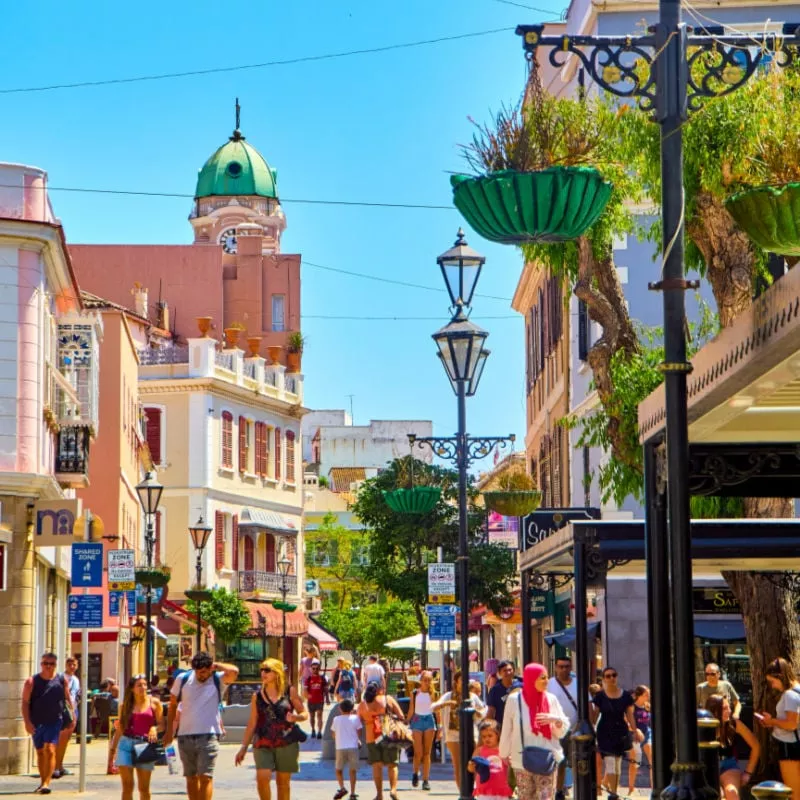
(249, 554)
(583, 330)
(227, 440)
(153, 433)
(290, 456)
(277, 454)
(278, 312)
(262, 449)
(244, 443)
(359, 554)
(235, 542)
(270, 548)
(219, 539)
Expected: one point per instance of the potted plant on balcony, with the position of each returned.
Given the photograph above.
(232, 333)
(516, 496)
(153, 576)
(537, 180)
(294, 351)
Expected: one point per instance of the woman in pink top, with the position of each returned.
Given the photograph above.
(492, 783)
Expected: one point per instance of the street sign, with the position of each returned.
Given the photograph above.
(442, 627)
(443, 609)
(312, 588)
(124, 634)
(441, 583)
(121, 570)
(85, 611)
(87, 566)
(115, 602)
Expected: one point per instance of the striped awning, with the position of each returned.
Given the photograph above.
(262, 518)
(265, 617)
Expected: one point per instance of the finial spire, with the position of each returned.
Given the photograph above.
(237, 134)
(238, 113)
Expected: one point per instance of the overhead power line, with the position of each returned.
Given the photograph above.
(404, 319)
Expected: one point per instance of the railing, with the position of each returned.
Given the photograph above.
(250, 369)
(270, 378)
(164, 355)
(72, 455)
(291, 384)
(223, 359)
(258, 581)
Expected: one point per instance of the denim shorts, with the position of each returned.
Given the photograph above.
(729, 762)
(125, 754)
(423, 722)
(48, 733)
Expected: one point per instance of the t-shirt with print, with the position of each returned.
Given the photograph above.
(498, 695)
(790, 701)
(345, 729)
(199, 704)
(315, 688)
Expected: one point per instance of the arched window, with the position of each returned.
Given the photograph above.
(249, 554)
(227, 440)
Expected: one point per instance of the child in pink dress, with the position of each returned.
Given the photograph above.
(492, 771)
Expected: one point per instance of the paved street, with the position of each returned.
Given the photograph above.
(315, 781)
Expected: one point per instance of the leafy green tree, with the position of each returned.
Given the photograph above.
(226, 613)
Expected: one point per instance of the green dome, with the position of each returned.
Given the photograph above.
(236, 169)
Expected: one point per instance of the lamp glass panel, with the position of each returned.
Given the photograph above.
(446, 354)
(461, 348)
(149, 491)
(470, 271)
(447, 370)
(450, 271)
(476, 378)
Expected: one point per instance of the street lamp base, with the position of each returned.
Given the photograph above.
(689, 783)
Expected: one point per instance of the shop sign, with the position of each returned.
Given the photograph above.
(441, 583)
(714, 600)
(539, 525)
(55, 522)
(541, 605)
(503, 531)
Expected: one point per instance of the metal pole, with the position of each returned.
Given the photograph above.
(199, 569)
(84, 714)
(439, 560)
(463, 591)
(149, 540)
(659, 634)
(688, 776)
(525, 605)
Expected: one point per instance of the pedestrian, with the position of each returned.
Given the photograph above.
(564, 686)
(374, 706)
(422, 721)
(641, 715)
(490, 670)
(70, 721)
(139, 721)
(373, 672)
(345, 729)
(492, 781)
(316, 687)
(346, 683)
(450, 703)
(533, 718)
(616, 729)
(498, 694)
(731, 776)
(335, 677)
(310, 653)
(199, 694)
(275, 710)
(714, 684)
(45, 696)
(786, 722)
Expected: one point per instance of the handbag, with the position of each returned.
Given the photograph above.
(295, 735)
(538, 760)
(148, 752)
(395, 731)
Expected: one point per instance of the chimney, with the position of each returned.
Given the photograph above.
(140, 299)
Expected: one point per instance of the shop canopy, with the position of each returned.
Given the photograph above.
(566, 638)
(415, 643)
(325, 639)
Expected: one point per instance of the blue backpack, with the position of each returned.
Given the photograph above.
(184, 676)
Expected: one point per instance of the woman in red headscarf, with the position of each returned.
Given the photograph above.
(534, 717)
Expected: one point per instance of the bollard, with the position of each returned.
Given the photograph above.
(771, 790)
(709, 744)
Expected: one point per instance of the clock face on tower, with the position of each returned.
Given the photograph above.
(228, 240)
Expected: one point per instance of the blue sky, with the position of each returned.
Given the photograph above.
(379, 127)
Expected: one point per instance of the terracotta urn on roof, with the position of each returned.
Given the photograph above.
(254, 343)
(204, 325)
(274, 354)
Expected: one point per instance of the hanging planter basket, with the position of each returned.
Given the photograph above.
(513, 504)
(554, 205)
(419, 500)
(770, 216)
(199, 595)
(155, 577)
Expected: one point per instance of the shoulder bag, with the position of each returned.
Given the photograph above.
(538, 760)
(394, 730)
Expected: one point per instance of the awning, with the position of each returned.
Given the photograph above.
(566, 638)
(266, 617)
(181, 614)
(415, 643)
(262, 518)
(720, 630)
(325, 639)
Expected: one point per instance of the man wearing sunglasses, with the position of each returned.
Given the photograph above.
(45, 696)
(714, 684)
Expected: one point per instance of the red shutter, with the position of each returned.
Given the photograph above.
(242, 444)
(154, 433)
(249, 565)
(227, 439)
(270, 553)
(235, 543)
(257, 452)
(290, 456)
(277, 454)
(157, 543)
(219, 539)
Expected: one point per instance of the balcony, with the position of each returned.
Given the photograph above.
(258, 582)
(72, 456)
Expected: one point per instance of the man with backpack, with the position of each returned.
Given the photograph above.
(199, 694)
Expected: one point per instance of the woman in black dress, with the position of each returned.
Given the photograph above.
(616, 729)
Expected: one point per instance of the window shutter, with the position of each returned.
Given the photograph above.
(277, 454)
(290, 456)
(154, 433)
(227, 439)
(219, 539)
(259, 453)
(235, 543)
(583, 330)
(249, 565)
(242, 444)
(270, 565)
(157, 542)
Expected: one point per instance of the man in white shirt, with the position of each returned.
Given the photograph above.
(199, 693)
(565, 688)
(372, 672)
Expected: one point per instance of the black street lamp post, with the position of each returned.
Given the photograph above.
(681, 70)
(149, 492)
(461, 351)
(284, 565)
(199, 533)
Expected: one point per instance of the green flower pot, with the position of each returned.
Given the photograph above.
(554, 205)
(513, 504)
(770, 216)
(153, 577)
(419, 500)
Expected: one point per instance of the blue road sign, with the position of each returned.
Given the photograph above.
(114, 601)
(441, 627)
(431, 610)
(86, 611)
(87, 566)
